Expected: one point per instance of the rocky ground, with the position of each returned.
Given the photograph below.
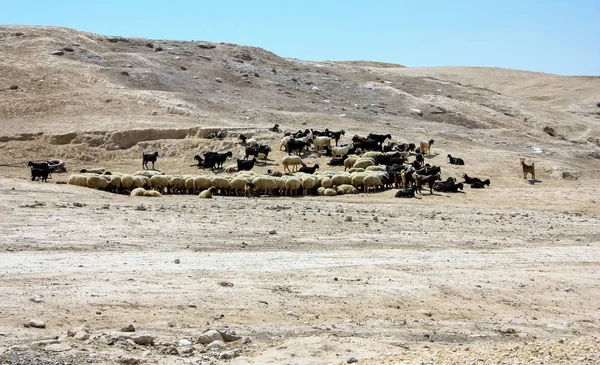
(507, 274)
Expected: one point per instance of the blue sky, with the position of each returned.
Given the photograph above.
(561, 37)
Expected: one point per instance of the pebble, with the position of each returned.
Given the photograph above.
(292, 314)
(57, 53)
(219, 80)
(209, 337)
(44, 342)
(58, 347)
(216, 345)
(351, 360)
(81, 336)
(128, 328)
(177, 261)
(140, 207)
(35, 323)
(129, 360)
(184, 342)
(272, 231)
(348, 218)
(36, 299)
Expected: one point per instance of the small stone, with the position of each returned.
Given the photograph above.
(205, 46)
(184, 342)
(507, 331)
(149, 45)
(140, 207)
(219, 80)
(57, 53)
(170, 350)
(229, 336)
(128, 328)
(158, 49)
(375, 219)
(292, 314)
(124, 73)
(183, 68)
(68, 49)
(44, 342)
(256, 74)
(36, 299)
(129, 360)
(272, 231)
(81, 336)
(13, 87)
(78, 205)
(35, 323)
(144, 339)
(209, 337)
(315, 89)
(216, 345)
(57, 347)
(348, 218)
(351, 360)
(155, 113)
(177, 261)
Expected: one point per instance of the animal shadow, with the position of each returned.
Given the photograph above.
(534, 181)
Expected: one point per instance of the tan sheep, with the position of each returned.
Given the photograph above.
(207, 194)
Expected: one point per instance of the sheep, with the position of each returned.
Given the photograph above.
(207, 194)
(231, 168)
(337, 135)
(308, 184)
(274, 173)
(320, 142)
(309, 170)
(321, 190)
(176, 185)
(528, 169)
(455, 160)
(96, 182)
(238, 184)
(159, 182)
(115, 184)
(426, 179)
(355, 169)
(222, 184)
(371, 181)
(137, 192)
(141, 182)
(340, 179)
(330, 192)
(357, 180)
(364, 163)
(326, 182)
(149, 157)
(341, 151)
(346, 189)
(425, 147)
(42, 174)
(292, 184)
(265, 183)
(375, 168)
(202, 183)
(152, 193)
(245, 165)
(350, 161)
(372, 154)
(291, 161)
(251, 142)
(127, 182)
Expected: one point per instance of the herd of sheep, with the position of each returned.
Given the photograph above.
(368, 166)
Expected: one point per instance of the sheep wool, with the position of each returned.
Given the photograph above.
(137, 192)
(330, 192)
(97, 182)
(206, 194)
(152, 193)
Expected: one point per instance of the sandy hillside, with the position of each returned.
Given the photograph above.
(498, 275)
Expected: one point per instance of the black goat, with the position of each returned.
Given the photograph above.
(295, 145)
(336, 135)
(426, 179)
(471, 180)
(406, 193)
(380, 138)
(405, 147)
(318, 133)
(367, 145)
(245, 165)
(263, 150)
(207, 156)
(480, 184)
(242, 138)
(41, 166)
(149, 157)
(275, 128)
(337, 161)
(217, 159)
(455, 160)
(309, 170)
(444, 186)
(199, 160)
(42, 174)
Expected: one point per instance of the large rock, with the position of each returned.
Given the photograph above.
(216, 345)
(137, 338)
(35, 323)
(209, 337)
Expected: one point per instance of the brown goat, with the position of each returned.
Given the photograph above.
(528, 169)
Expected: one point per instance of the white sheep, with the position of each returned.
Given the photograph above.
(264, 183)
(137, 192)
(350, 161)
(152, 193)
(159, 182)
(189, 185)
(177, 185)
(340, 179)
(355, 169)
(284, 142)
(127, 182)
(292, 184)
(346, 189)
(321, 142)
(148, 173)
(294, 161)
(78, 180)
(140, 181)
(321, 190)
(308, 182)
(238, 185)
(221, 183)
(364, 163)
(376, 168)
(202, 183)
(372, 154)
(97, 182)
(330, 192)
(371, 181)
(206, 194)
(115, 183)
(357, 180)
(326, 182)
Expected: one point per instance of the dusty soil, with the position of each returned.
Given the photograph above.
(506, 274)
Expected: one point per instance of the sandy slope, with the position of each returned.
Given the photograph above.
(430, 279)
